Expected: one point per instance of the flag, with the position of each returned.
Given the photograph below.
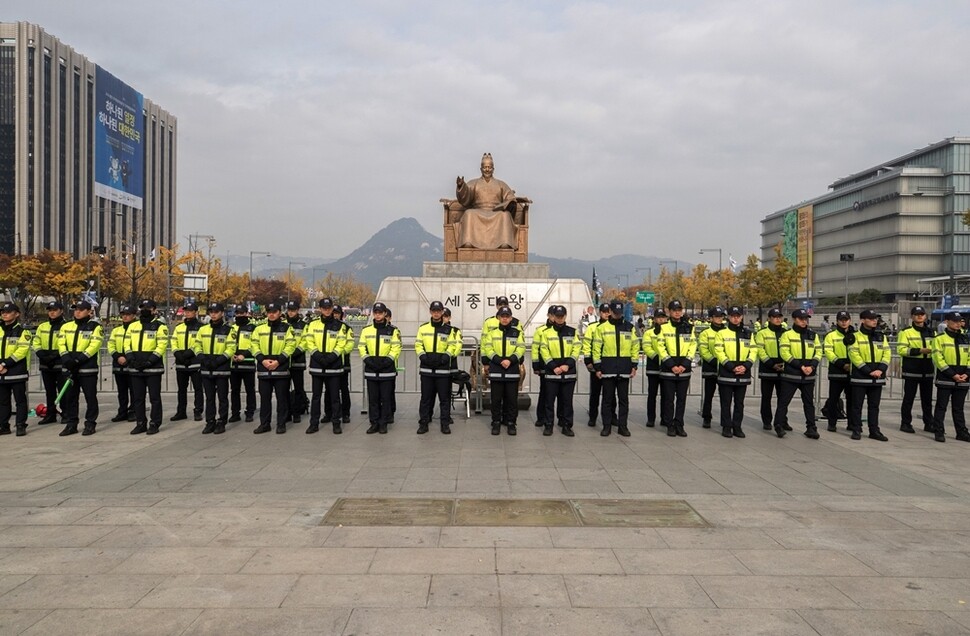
(151, 256)
(734, 263)
(597, 288)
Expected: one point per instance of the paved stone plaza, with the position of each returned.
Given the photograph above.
(182, 533)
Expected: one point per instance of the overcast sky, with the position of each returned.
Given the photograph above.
(656, 128)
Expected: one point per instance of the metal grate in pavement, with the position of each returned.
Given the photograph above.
(596, 513)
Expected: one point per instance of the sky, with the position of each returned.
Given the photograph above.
(653, 128)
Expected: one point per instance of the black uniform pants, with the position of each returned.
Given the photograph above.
(560, 393)
(216, 387)
(673, 401)
(768, 386)
(87, 384)
(299, 391)
(541, 401)
(152, 383)
(332, 385)
(837, 387)
(342, 392)
(871, 394)
(126, 400)
(183, 377)
(956, 397)
(268, 388)
(237, 381)
(707, 403)
(380, 394)
(53, 381)
(616, 400)
(13, 393)
(731, 397)
(925, 387)
(653, 390)
(595, 390)
(786, 391)
(439, 386)
(505, 401)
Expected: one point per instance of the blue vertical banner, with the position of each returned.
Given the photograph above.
(119, 131)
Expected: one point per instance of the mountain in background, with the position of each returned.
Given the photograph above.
(401, 248)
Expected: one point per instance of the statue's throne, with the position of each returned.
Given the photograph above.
(453, 212)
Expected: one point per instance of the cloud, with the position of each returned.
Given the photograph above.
(655, 128)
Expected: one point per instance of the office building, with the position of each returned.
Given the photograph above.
(893, 227)
(86, 162)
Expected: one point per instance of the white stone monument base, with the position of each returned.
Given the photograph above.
(472, 298)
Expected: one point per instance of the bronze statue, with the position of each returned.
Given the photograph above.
(486, 215)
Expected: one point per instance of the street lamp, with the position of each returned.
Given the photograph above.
(713, 249)
(846, 258)
(625, 276)
(676, 267)
(251, 254)
(313, 283)
(289, 275)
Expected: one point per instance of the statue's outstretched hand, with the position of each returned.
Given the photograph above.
(460, 182)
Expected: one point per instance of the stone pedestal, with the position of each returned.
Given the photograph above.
(470, 289)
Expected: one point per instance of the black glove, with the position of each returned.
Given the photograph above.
(370, 364)
(317, 358)
(48, 357)
(537, 367)
(70, 362)
(330, 359)
(184, 356)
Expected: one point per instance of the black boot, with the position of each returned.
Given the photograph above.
(707, 422)
(422, 428)
(312, 428)
(220, 428)
(738, 432)
(280, 428)
(727, 431)
(496, 428)
(568, 431)
(234, 418)
(546, 430)
(336, 428)
(22, 430)
(373, 428)
(262, 428)
(152, 429)
(680, 431)
(811, 432)
(178, 417)
(210, 428)
(89, 428)
(877, 435)
(907, 428)
(52, 419)
(445, 428)
(70, 429)
(963, 436)
(382, 429)
(780, 431)
(5, 429)
(623, 431)
(607, 429)
(139, 429)
(671, 431)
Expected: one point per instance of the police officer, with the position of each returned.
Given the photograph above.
(379, 347)
(649, 349)
(186, 366)
(561, 347)
(243, 370)
(344, 411)
(390, 420)
(214, 347)
(116, 349)
(297, 362)
(736, 355)
(801, 352)
(45, 346)
(770, 365)
(836, 346)
(870, 356)
(616, 355)
(79, 343)
(676, 346)
(145, 344)
(915, 346)
(706, 341)
(14, 365)
(456, 333)
(951, 357)
(435, 346)
(272, 345)
(595, 383)
(324, 340)
(329, 314)
(539, 367)
(503, 350)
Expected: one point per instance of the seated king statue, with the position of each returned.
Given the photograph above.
(490, 211)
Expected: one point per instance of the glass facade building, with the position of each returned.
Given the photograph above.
(47, 153)
(886, 228)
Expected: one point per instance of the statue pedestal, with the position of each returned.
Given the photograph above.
(469, 291)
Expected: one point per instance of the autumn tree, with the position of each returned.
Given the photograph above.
(345, 289)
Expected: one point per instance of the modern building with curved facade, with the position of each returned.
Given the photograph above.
(891, 227)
